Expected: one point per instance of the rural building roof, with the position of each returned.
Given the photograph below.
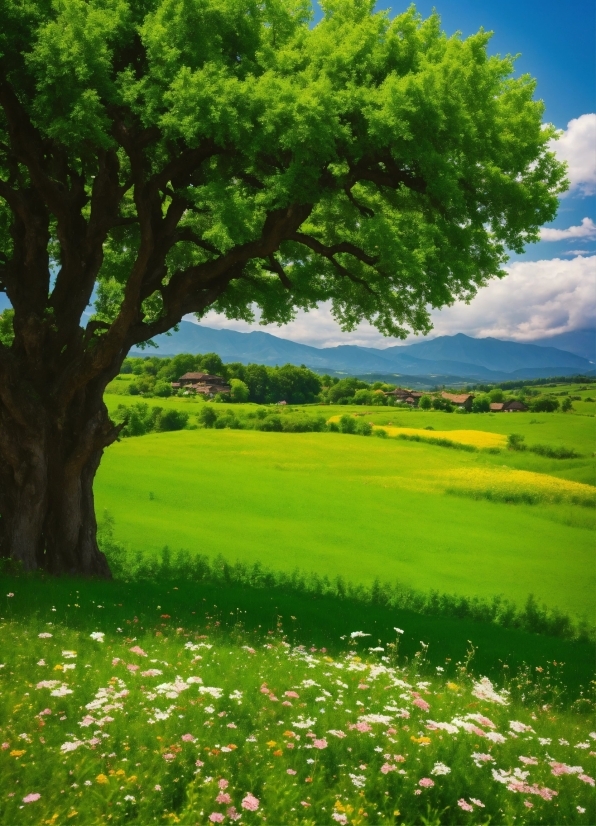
(202, 377)
(496, 406)
(514, 404)
(457, 398)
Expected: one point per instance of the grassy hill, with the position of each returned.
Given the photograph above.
(367, 508)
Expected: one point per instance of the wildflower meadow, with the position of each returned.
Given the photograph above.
(175, 724)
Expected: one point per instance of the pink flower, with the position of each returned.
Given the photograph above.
(250, 803)
(586, 778)
(151, 672)
(528, 761)
(115, 661)
(45, 711)
(465, 806)
(223, 797)
(362, 727)
(223, 783)
(322, 744)
(5, 746)
(136, 649)
(386, 768)
(363, 686)
(426, 783)
(399, 758)
(417, 791)
(340, 817)
(291, 694)
(305, 804)
(132, 667)
(286, 703)
(188, 738)
(31, 798)
(232, 813)
(216, 817)
(199, 763)
(157, 788)
(423, 704)
(528, 804)
(290, 771)
(169, 757)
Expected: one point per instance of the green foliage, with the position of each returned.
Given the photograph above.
(239, 391)
(567, 405)
(163, 389)
(481, 404)
(496, 395)
(207, 416)
(515, 441)
(425, 403)
(544, 405)
(139, 419)
(6, 328)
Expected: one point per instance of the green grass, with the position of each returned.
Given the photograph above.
(153, 747)
(362, 507)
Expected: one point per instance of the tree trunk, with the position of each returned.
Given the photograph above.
(47, 467)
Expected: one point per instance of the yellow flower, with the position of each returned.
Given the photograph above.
(58, 667)
(51, 821)
(453, 686)
(17, 752)
(271, 743)
(101, 778)
(72, 814)
(277, 753)
(423, 741)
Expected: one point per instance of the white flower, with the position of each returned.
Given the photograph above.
(440, 768)
(515, 725)
(44, 635)
(69, 655)
(66, 747)
(398, 630)
(359, 780)
(97, 636)
(355, 634)
(485, 690)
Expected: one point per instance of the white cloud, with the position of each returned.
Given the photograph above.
(587, 229)
(535, 299)
(577, 146)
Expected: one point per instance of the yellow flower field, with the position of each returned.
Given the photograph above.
(476, 438)
(517, 485)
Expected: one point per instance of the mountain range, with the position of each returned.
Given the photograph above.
(453, 357)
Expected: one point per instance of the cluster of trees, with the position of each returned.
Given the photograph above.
(354, 391)
(248, 382)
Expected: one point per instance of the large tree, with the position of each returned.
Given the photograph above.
(163, 157)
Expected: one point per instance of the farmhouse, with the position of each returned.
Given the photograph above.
(411, 397)
(459, 399)
(513, 406)
(203, 383)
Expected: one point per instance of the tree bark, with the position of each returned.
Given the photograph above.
(47, 466)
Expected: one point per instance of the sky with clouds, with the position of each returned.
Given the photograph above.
(551, 288)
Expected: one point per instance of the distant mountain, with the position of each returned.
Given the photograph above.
(580, 342)
(459, 357)
(491, 353)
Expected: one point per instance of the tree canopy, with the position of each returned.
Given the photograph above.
(193, 154)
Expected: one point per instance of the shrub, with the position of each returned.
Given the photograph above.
(363, 428)
(207, 417)
(168, 420)
(239, 391)
(162, 389)
(271, 424)
(425, 403)
(515, 441)
(347, 424)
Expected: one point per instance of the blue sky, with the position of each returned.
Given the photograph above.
(551, 288)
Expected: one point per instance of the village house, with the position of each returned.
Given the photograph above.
(203, 383)
(411, 397)
(459, 399)
(513, 406)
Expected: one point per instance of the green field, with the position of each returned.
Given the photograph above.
(363, 507)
